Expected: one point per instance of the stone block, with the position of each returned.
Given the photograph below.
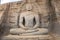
(37, 37)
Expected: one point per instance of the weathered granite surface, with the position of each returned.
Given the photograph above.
(37, 37)
(45, 10)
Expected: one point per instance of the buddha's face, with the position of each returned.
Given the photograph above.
(28, 7)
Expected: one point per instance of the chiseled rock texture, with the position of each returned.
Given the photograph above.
(51, 7)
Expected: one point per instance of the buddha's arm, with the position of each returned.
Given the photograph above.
(37, 21)
(21, 22)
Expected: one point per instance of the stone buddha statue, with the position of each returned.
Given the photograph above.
(29, 23)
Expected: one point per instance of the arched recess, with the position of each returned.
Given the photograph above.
(52, 16)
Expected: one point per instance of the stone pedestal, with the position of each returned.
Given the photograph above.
(34, 37)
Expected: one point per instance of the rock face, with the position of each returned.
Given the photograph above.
(29, 18)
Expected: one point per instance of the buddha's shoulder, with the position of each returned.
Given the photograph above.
(27, 13)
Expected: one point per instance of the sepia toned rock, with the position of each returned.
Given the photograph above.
(30, 20)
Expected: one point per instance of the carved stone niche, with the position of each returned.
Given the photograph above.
(26, 25)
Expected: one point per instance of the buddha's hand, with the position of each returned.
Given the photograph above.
(36, 26)
(25, 28)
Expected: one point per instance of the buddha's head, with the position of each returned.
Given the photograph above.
(30, 1)
(29, 7)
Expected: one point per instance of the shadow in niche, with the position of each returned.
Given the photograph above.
(1, 30)
(23, 21)
(52, 17)
(57, 28)
(4, 30)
